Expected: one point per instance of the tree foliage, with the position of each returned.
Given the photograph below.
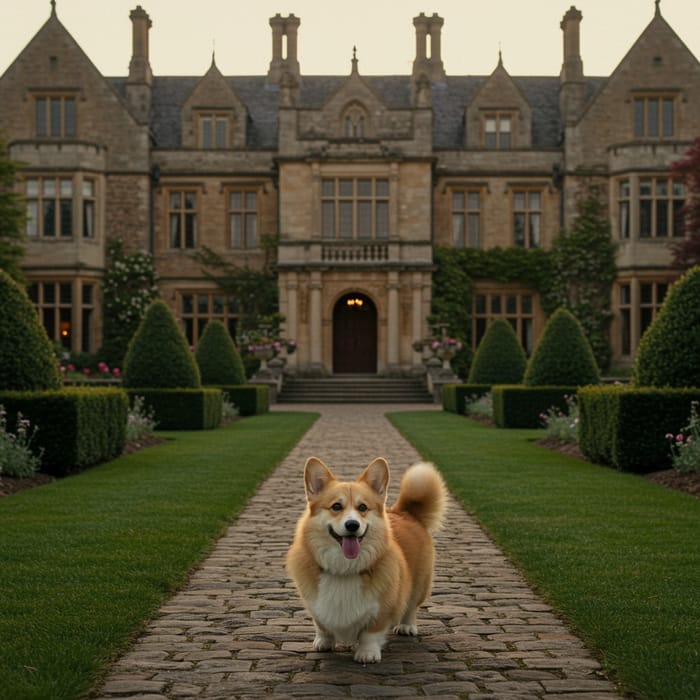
(686, 252)
(217, 356)
(585, 270)
(128, 288)
(499, 359)
(563, 355)
(12, 218)
(669, 350)
(27, 360)
(158, 354)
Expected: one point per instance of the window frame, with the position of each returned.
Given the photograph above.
(470, 233)
(55, 115)
(499, 138)
(649, 117)
(213, 118)
(182, 214)
(350, 214)
(517, 306)
(194, 318)
(531, 235)
(246, 214)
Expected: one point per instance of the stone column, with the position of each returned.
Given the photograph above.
(291, 323)
(417, 316)
(392, 321)
(315, 321)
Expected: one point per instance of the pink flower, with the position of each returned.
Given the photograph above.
(71, 368)
(669, 436)
(86, 372)
(679, 437)
(116, 372)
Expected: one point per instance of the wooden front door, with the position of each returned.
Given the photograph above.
(355, 335)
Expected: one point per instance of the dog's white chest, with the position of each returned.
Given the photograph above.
(342, 605)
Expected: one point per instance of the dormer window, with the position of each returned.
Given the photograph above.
(654, 116)
(213, 130)
(497, 130)
(54, 116)
(354, 123)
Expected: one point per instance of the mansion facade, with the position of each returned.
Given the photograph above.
(360, 177)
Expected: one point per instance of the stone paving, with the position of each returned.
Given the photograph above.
(239, 630)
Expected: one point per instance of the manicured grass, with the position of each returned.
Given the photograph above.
(86, 561)
(616, 554)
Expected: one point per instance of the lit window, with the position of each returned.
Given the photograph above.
(466, 218)
(54, 302)
(243, 219)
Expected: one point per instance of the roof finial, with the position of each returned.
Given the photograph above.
(657, 9)
(53, 7)
(213, 52)
(354, 59)
(500, 55)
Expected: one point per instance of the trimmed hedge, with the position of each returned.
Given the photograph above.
(182, 409)
(499, 359)
(518, 406)
(249, 399)
(454, 395)
(669, 350)
(77, 427)
(626, 427)
(158, 354)
(217, 356)
(27, 360)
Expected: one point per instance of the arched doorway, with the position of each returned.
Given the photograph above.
(355, 335)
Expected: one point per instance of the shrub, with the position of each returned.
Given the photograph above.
(27, 360)
(217, 356)
(518, 406)
(563, 355)
(685, 446)
(562, 425)
(140, 422)
(499, 359)
(454, 395)
(479, 406)
(668, 352)
(626, 427)
(182, 409)
(78, 427)
(250, 399)
(158, 354)
(16, 455)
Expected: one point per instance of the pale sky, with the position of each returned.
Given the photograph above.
(184, 33)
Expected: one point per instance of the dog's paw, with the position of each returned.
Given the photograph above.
(406, 630)
(324, 642)
(368, 654)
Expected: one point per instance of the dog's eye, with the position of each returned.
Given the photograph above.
(337, 506)
(362, 508)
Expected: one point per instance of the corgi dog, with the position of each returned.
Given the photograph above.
(363, 569)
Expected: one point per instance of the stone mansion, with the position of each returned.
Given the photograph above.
(359, 176)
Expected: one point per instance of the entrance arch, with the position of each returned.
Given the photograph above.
(355, 335)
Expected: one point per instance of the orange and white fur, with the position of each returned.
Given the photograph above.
(362, 569)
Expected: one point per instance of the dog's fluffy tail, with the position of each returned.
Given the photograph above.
(423, 494)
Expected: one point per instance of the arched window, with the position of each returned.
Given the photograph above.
(354, 122)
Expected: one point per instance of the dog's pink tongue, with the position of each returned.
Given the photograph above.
(351, 547)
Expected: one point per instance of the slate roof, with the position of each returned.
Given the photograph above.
(449, 100)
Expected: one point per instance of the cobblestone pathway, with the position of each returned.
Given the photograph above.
(238, 630)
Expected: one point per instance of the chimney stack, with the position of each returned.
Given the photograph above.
(431, 66)
(284, 27)
(138, 84)
(572, 85)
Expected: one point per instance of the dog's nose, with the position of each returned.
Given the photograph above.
(352, 525)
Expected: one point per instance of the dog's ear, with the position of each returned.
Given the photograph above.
(316, 476)
(376, 475)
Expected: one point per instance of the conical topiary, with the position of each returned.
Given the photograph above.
(563, 355)
(217, 357)
(669, 351)
(158, 355)
(27, 360)
(499, 359)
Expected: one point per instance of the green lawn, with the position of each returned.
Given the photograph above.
(617, 555)
(86, 561)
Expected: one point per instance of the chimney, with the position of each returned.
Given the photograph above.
(138, 84)
(284, 27)
(431, 66)
(571, 85)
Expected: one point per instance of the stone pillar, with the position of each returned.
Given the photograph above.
(417, 316)
(392, 321)
(291, 323)
(315, 321)
(437, 70)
